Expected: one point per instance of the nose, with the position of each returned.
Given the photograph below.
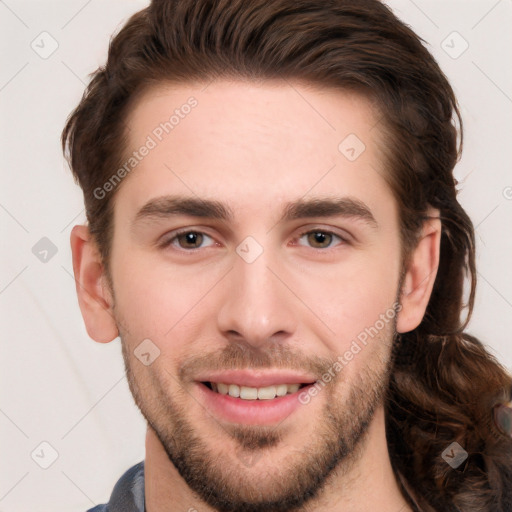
(257, 307)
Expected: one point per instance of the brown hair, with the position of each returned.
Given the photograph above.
(444, 383)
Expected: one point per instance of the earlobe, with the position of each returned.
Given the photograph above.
(94, 296)
(420, 274)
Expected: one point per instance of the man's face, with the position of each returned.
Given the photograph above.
(272, 293)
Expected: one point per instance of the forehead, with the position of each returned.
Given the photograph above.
(252, 143)
(274, 112)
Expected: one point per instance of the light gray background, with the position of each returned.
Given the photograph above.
(57, 385)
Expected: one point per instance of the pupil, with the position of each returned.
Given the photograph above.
(193, 239)
(319, 238)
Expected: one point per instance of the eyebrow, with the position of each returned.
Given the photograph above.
(169, 206)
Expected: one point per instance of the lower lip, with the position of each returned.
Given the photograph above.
(250, 412)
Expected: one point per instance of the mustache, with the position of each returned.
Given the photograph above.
(242, 356)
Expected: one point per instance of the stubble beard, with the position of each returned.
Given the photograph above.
(236, 478)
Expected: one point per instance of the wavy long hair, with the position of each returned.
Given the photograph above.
(444, 382)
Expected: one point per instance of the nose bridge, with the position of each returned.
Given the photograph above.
(255, 306)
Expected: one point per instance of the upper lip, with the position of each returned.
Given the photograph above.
(256, 379)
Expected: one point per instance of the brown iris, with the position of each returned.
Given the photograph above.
(190, 240)
(319, 239)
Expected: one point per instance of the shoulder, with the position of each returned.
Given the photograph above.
(128, 493)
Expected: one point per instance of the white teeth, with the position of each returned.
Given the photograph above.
(248, 393)
(267, 393)
(281, 390)
(292, 388)
(234, 391)
(222, 388)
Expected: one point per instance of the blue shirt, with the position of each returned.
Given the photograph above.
(128, 493)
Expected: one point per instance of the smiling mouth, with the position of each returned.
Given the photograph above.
(252, 393)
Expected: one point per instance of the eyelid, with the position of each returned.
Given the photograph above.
(170, 237)
(344, 236)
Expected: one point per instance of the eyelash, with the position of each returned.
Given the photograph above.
(169, 242)
(324, 232)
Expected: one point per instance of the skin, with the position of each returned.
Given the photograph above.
(299, 305)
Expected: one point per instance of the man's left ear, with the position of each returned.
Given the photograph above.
(420, 274)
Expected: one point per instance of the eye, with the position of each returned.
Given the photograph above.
(189, 240)
(319, 239)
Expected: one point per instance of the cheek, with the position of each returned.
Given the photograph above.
(159, 301)
(167, 303)
(348, 298)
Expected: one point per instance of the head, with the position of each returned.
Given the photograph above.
(294, 203)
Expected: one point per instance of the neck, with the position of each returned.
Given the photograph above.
(368, 485)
